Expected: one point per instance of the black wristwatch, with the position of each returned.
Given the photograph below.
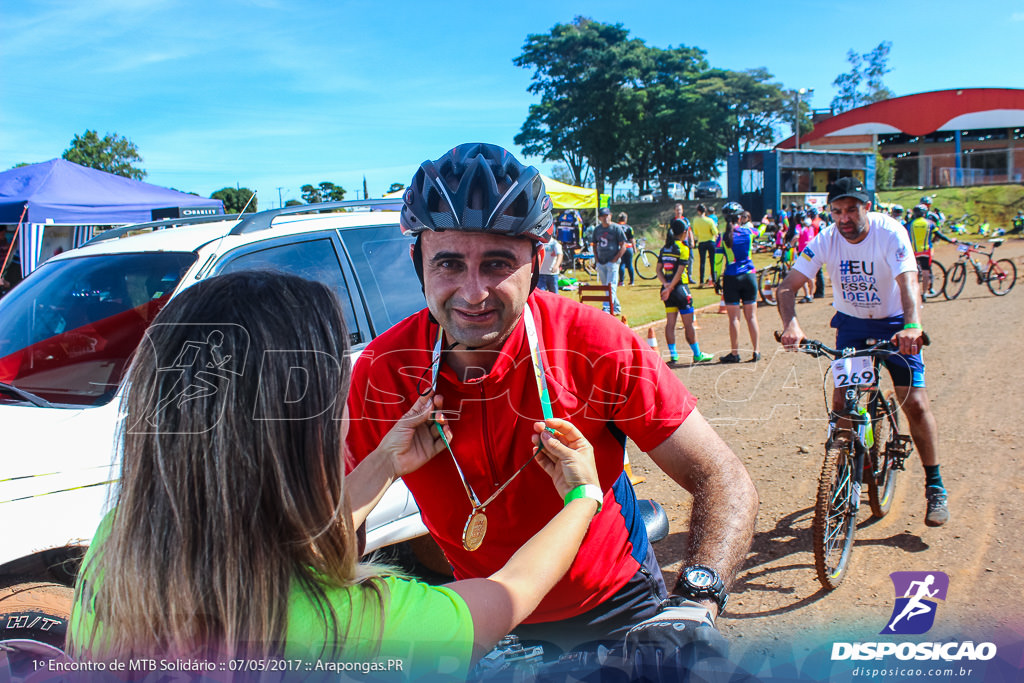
(700, 582)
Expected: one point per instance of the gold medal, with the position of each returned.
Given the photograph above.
(476, 527)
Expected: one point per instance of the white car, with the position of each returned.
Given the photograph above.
(68, 331)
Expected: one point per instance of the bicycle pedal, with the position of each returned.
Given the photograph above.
(899, 450)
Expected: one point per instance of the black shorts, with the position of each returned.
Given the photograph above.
(679, 300)
(924, 263)
(737, 288)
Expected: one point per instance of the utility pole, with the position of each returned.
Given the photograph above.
(280, 202)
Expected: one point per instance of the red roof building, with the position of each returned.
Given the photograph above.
(967, 136)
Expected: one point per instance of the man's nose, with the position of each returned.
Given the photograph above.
(474, 287)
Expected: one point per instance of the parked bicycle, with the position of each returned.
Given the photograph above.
(864, 445)
(645, 263)
(1000, 275)
(769, 277)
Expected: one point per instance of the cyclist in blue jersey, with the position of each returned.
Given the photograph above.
(739, 283)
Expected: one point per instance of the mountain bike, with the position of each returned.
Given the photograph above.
(645, 263)
(1000, 276)
(872, 451)
(770, 276)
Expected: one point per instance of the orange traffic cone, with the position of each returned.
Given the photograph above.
(633, 479)
(652, 341)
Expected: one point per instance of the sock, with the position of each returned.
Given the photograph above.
(672, 351)
(932, 477)
(695, 347)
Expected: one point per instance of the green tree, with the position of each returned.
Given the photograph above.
(235, 199)
(395, 187)
(112, 154)
(331, 192)
(293, 202)
(862, 84)
(324, 192)
(585, 73)
(885, 172)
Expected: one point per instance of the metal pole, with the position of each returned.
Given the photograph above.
(796, 122)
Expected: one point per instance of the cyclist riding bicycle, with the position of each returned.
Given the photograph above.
(875, 292)
(923, 231)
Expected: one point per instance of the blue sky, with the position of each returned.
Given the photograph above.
(267, 94)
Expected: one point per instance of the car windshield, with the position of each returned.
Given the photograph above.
(67, 333)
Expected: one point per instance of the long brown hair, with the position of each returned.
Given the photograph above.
(232, 481)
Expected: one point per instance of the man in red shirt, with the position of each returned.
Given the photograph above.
(502, 355)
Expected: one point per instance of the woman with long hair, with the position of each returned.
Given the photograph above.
(233, 532)
(675, 292)
(739, 284)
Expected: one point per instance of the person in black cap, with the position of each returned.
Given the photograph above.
(609, 243)
(876, 295)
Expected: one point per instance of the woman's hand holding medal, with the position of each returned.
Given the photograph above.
(565, 454)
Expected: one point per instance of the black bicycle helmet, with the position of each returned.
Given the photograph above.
(477, 187)
(732, 211)
(812, 211)
(920, 210)
(896, 210)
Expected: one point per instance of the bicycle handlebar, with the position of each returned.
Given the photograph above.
(882, 348)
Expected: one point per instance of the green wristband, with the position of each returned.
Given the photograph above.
(586, 491)
(912, 326)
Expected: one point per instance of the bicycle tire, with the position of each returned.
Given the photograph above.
(938, 281)
(645, 264)
(881, 480)
(767, 281)
(972, 220)
(955, 281)
(1001, 277)
(835, 518)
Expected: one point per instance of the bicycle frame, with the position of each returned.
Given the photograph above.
(966, 254)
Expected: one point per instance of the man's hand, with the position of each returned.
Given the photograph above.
(910, 341)
(669, 644)
(792, 335)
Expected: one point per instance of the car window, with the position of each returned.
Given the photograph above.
(380, 256)
(68, 332)
(314, 259)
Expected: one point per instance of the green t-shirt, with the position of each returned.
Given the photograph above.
(428, 630)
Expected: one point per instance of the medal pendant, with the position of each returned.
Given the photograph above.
(476, 527)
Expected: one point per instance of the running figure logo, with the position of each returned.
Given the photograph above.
(916, 595)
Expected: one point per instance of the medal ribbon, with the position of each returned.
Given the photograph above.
(542, 389)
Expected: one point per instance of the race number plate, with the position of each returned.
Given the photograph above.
(849, 372)
(962, 248)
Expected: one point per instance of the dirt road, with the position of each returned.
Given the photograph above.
(772, 415)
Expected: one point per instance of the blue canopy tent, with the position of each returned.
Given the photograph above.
(78, 199)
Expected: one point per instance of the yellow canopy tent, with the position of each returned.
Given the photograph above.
(563, 196)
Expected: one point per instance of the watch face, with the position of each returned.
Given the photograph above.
(700, 577)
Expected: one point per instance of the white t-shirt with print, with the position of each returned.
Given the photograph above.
(863, 274)
(551, 250)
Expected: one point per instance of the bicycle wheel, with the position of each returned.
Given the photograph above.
(767, 280)
(955, 281)
(646, 264)
(835, 514)
(1001, 277)
(881, 480)
(938, 281)
(972, 220)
